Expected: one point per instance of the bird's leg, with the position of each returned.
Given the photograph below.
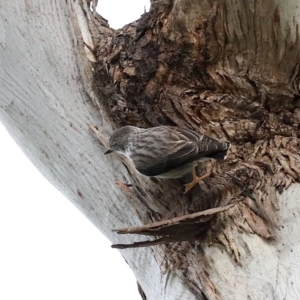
(195, 180)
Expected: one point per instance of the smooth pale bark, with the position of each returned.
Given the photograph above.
(270, 269)
(45, 104)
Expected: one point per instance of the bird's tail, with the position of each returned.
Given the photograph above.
(221, 155)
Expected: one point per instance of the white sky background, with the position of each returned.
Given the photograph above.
(48, 249)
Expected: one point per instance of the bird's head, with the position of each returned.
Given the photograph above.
(120, 139)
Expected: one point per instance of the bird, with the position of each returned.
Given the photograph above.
(166, 151)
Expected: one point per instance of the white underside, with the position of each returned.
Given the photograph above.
(180, 172)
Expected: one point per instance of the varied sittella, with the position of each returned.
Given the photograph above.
(166, 151)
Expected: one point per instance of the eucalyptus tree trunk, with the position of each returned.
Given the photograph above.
(229, 69)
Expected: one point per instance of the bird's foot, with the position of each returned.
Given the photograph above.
(196, 179)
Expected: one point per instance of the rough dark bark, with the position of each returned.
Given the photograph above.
(229, 69)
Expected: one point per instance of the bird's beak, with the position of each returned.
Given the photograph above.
(108, 151)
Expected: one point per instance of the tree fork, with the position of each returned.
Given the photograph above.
(229, 69)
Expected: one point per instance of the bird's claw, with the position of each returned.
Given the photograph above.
(196, 179)
(189, 186)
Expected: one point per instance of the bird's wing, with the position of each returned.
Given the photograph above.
(178, 148)
(203, 145)
(182, 148)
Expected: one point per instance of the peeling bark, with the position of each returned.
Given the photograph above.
(219, 69)
(229, 69)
